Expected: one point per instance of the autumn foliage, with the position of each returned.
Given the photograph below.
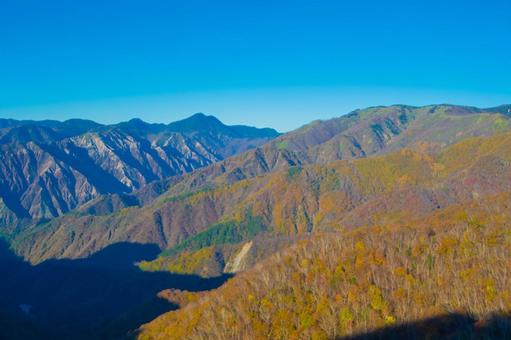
(337, 284)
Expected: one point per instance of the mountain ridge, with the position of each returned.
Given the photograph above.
(385, 199)
(191, 204)
(48, 168)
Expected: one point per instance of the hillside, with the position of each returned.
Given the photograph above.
(296, 183)
(427, 283)
(361, 133)
(469, 181)
(48, 168)
(431, 262)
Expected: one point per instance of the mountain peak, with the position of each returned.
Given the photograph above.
(199, 122)
(136, 121)
(198, 117)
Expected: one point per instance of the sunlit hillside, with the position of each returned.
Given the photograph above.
(432, 245)
(339, 284)
(418, 187)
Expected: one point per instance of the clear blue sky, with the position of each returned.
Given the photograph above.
(265, 63)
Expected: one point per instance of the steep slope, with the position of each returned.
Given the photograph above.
(358, 134)
(426, 283)
(292, 200)
(468, 182)
(48, 168)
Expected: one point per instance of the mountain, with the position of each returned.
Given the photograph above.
(444, 282)
(288, 186)
(406, 187)
(345, 226)
(408, 244)
(359, 134)
(48, 168)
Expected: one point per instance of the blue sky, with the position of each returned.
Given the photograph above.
(264, 63)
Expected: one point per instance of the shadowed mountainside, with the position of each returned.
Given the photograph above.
(101, 297)
(449, 326)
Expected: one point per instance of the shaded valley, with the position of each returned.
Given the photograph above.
(104, 296)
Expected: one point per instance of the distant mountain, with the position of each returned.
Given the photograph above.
(361, 133)
(281, 187)
(48, 168)
(358, 134)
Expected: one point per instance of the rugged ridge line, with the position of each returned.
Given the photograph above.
(48, 168)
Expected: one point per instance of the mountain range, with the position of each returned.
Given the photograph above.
(219, 200)
(48, 168)
(193, 203)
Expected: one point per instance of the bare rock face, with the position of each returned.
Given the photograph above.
(48, 168)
